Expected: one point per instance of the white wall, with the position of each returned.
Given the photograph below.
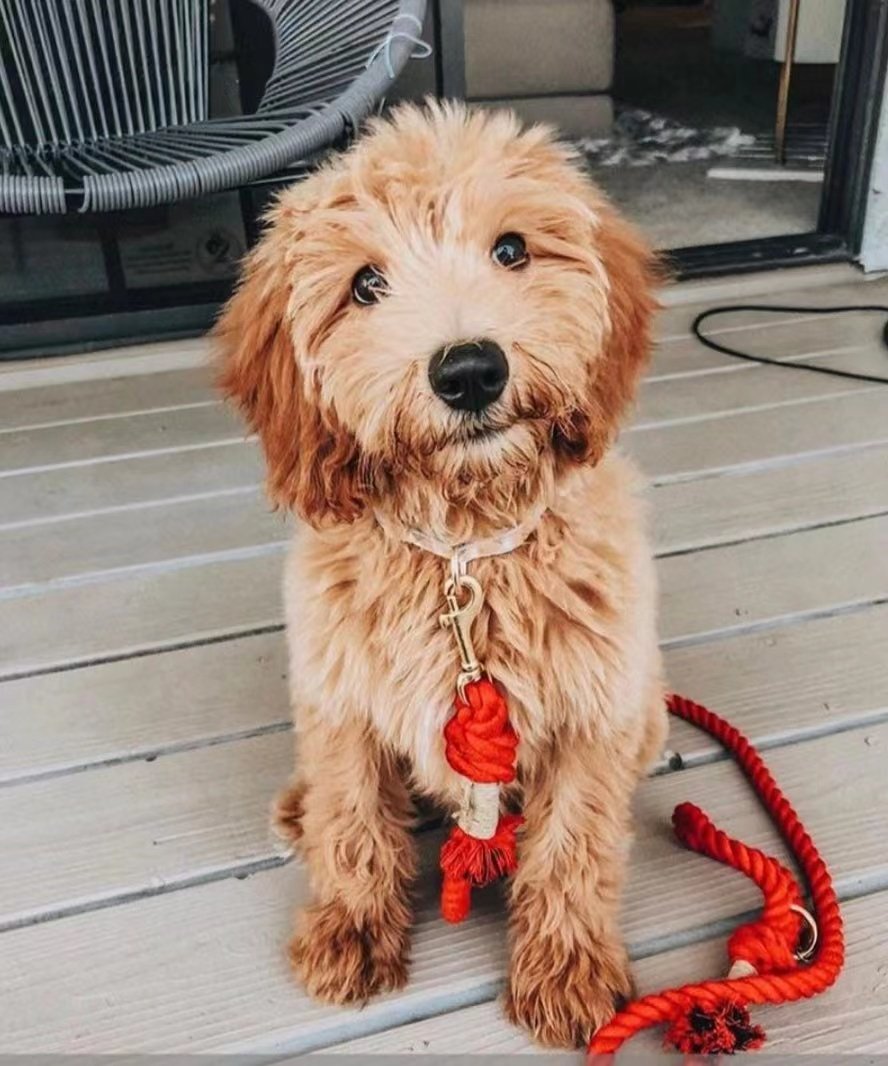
(874, 249)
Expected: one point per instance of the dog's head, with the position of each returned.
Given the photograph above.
(451, 308)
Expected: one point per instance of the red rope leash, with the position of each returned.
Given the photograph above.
(711, 1017)
(708, 1017)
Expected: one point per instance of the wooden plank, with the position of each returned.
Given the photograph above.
(123, 427)
(77, 841)
(786, 337)
(691, 359)
(774, 580)
(695, 514)
(849, 1018)
(128, 482)
(26, 450)
(203, 813)
(191, 529)
(128, 361)
(773, 283)
(82, 400)
(775, 685)
(735, 587)
(682, 303)
(687, 515)
(669, 453)
(688, 450)
(142, 707)
(845, 344)
(778, 685)
(762, 388)
(132, 615)
(217, 977)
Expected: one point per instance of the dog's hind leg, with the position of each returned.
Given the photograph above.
(287, 811)
(353, 940)
(568, 965)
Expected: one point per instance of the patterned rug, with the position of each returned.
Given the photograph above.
(641, 138)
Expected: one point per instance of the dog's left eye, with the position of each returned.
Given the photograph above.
(368, 285)
(509, 251)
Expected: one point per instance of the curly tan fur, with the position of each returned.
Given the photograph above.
(340, 397)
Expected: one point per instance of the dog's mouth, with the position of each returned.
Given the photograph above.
(480, 433)
(477, 431)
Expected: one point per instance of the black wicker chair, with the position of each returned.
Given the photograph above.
(104, 103)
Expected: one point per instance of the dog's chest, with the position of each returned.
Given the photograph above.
(366, 640)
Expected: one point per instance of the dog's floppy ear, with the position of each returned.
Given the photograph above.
(632, 273)
(313, 462)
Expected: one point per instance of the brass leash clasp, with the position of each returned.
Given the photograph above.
(459, 618)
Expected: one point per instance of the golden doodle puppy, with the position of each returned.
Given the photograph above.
(440, 332)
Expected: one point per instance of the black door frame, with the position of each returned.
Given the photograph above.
(854, 122)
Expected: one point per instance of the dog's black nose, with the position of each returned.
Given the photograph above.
(469, 376)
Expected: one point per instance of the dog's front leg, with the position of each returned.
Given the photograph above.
(568, 964)
(353, 940)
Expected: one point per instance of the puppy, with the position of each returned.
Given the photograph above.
(440, 332)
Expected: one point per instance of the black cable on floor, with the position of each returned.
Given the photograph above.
(717, 346)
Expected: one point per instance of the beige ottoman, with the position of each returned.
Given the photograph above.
(550, 60)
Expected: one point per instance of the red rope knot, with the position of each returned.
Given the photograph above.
(480, 742)
(481, 745)
(766, 948)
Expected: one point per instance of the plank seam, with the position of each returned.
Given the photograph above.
(772, 463)
(256, 550)
(732, 364)
(136, 505)
(256, 487)
(714, 636)
(141, 653)
(149, 754)
(278, 857)
(708, 636)
(771, 534)
(99, 460)
(750, 409)
(109, 416)
(136, 412)
(832, 728)
(160, 566)
(638, 428)
(772, 321)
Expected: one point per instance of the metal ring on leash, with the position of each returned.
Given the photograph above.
(805, 953)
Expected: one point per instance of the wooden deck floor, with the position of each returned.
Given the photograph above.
(143, 905)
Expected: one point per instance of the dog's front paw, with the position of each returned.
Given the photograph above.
(562, 996)
(342, 960)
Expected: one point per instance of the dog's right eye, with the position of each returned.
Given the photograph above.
(509, 251)
(368, 285)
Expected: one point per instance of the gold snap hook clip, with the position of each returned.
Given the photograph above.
(459, 618)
